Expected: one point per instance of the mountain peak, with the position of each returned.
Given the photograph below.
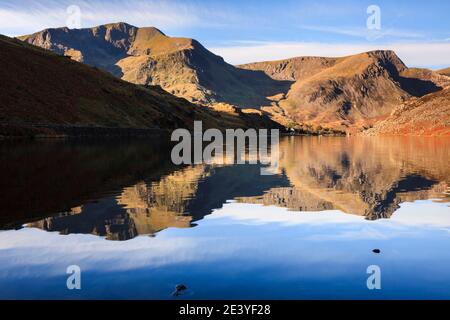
(117, 25)
(151, 31)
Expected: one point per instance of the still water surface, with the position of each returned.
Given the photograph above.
(137, 225)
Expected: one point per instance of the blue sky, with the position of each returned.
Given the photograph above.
(250, 30)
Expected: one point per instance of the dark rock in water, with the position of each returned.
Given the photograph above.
(376, 251)
(180, 287)
(179, 290)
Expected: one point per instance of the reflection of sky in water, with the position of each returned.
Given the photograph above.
(242, 251)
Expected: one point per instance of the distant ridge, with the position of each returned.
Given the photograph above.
(292, 69)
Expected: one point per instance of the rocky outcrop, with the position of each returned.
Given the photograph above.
(426, 116)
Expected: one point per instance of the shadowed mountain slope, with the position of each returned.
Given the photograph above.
(39, 87)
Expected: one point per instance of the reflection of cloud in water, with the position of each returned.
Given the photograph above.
(424, 213)
(266, 251)
(28, 247)
(419, 213)
(218, 235)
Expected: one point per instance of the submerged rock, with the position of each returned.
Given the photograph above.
(179, 290)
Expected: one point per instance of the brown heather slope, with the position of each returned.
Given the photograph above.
(445, 72)
(146, 56)
(349, 92)
(426, 116)
(40, 87)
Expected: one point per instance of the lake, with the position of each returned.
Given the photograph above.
(137, 226)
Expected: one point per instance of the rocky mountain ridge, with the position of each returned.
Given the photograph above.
(147, 56)
(349, 93)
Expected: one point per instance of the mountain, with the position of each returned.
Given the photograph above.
(147, 56)
(309, 93)
(427, 116)
(40, 87)
(352, 91)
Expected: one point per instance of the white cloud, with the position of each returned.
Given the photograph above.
(32, 17)
(409, 214)
(418, 54)
(34, 246)
(24, 17)
(256, 214)
(364, 32)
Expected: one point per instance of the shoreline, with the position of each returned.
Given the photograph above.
(51, 131)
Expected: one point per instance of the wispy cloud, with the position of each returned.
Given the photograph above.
(30, 16)
(343, 30)
(419, 54)
(409, 214)
(362, 32)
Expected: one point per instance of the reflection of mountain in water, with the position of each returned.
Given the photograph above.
(368, 177)
(176, 200)
(39, 179)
